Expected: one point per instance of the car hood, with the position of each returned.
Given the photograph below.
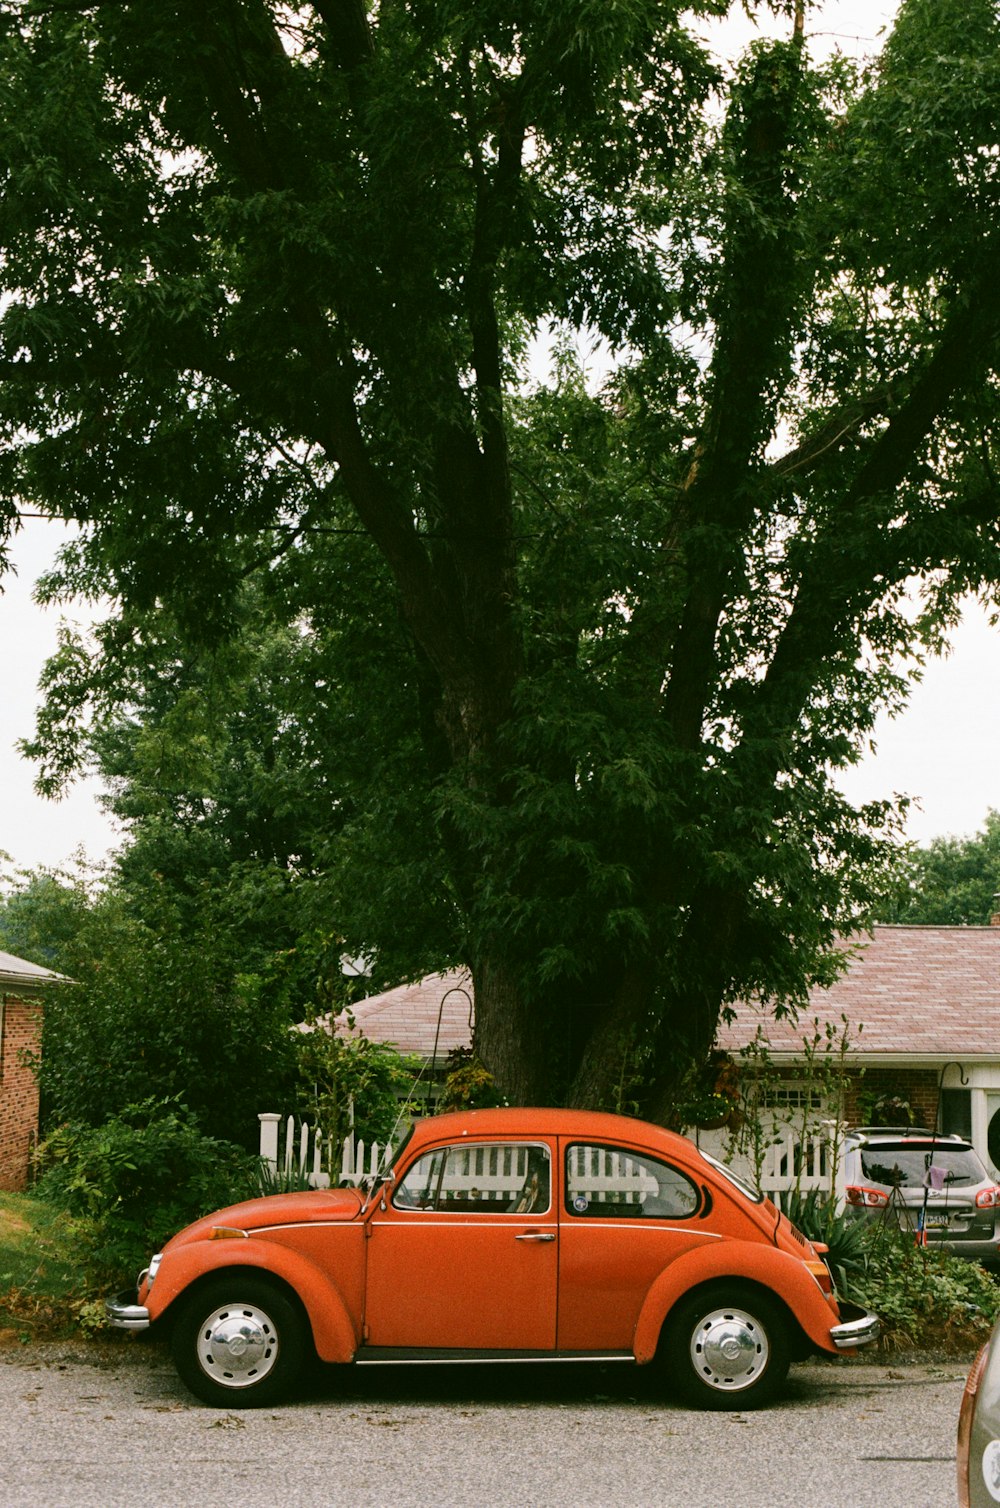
(277, 1209)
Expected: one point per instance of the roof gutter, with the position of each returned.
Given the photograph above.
(22, 985)
(788, 1058)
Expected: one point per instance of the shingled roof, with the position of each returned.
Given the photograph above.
(914, 992)
(924, 993)
(17, 976)
(414, 1017)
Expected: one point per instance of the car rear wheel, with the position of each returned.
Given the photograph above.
(239, 1342)
(727, 1347)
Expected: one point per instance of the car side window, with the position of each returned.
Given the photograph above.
(503, 1178)
(609, 1182)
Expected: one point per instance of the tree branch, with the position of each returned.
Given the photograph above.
(347, 26)
(841, 426)
(838, 581)
(753, 313)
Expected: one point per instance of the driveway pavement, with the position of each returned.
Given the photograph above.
(110, 1426)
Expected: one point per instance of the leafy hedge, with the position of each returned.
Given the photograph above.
(923, 1295)
(135, 1180)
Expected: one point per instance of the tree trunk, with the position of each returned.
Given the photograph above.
(509, 1036)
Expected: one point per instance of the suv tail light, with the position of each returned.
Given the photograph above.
(860, 1197)
(986, 1199)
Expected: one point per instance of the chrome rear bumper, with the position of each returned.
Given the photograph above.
(859, 1329)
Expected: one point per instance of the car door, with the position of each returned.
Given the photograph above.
(626, 1215)
(463, 1252)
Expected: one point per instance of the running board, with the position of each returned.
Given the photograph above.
(376, 1356)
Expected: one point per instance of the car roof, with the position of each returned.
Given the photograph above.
(528, 1121)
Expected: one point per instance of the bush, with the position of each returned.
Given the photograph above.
(155, 1011)
(924, 1296)
(815, 1214)
(351, 1083)
(135, 1180)
(468, 1085)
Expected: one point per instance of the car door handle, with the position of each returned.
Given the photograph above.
(536, 1235)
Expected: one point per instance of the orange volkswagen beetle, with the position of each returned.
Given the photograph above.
(528, 1235)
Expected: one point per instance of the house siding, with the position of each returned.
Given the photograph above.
(21, 1035)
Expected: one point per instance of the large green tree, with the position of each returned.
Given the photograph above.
(949, 882)
(270, 273)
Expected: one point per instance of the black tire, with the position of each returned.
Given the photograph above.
(727, 1347)
(239, 1342)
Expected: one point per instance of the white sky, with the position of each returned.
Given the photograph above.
(940, 751)
(32, 830)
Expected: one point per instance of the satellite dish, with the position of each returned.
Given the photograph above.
(356, 968)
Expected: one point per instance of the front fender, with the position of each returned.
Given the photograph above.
(335, 1335)
(781, 1273)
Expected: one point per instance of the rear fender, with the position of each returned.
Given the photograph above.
(335, 1336)
(783, 1275)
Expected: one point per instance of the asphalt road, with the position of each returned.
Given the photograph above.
(111, 1427)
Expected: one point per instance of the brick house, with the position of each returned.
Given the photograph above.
(22, 988)
(922, 1007)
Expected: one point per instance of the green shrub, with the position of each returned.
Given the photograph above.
(469, 1085)
(269, 1180)
(154, 1009)
(924, 1296)
(816, 1216)
(351, 1083)
(135, 1180)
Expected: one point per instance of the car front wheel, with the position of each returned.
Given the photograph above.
(238, 1342)
(727, 1348)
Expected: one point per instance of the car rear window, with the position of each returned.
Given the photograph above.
(904, 1165)
(612, 1183)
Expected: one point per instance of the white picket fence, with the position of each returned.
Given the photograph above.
(303, 1149)
(790, 1163)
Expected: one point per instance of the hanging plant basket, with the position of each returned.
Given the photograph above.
(711, 1113)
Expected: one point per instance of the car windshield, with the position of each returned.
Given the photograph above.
(904, 1165)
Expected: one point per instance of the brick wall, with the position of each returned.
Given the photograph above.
(918, 1086)
(22, 1021)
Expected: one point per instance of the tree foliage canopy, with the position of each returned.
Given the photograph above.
(568, 672)
(950, 882)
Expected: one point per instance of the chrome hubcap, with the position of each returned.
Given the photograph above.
(729, 1349)
(237, 1345)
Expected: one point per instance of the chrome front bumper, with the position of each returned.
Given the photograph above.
(859, 1330)
(123, 1312)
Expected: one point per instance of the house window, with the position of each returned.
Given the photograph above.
(790, 1098)
(956, 1112)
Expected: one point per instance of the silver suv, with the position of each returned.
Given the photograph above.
(933, 1185)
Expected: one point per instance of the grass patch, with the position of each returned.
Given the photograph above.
(42, 1283)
